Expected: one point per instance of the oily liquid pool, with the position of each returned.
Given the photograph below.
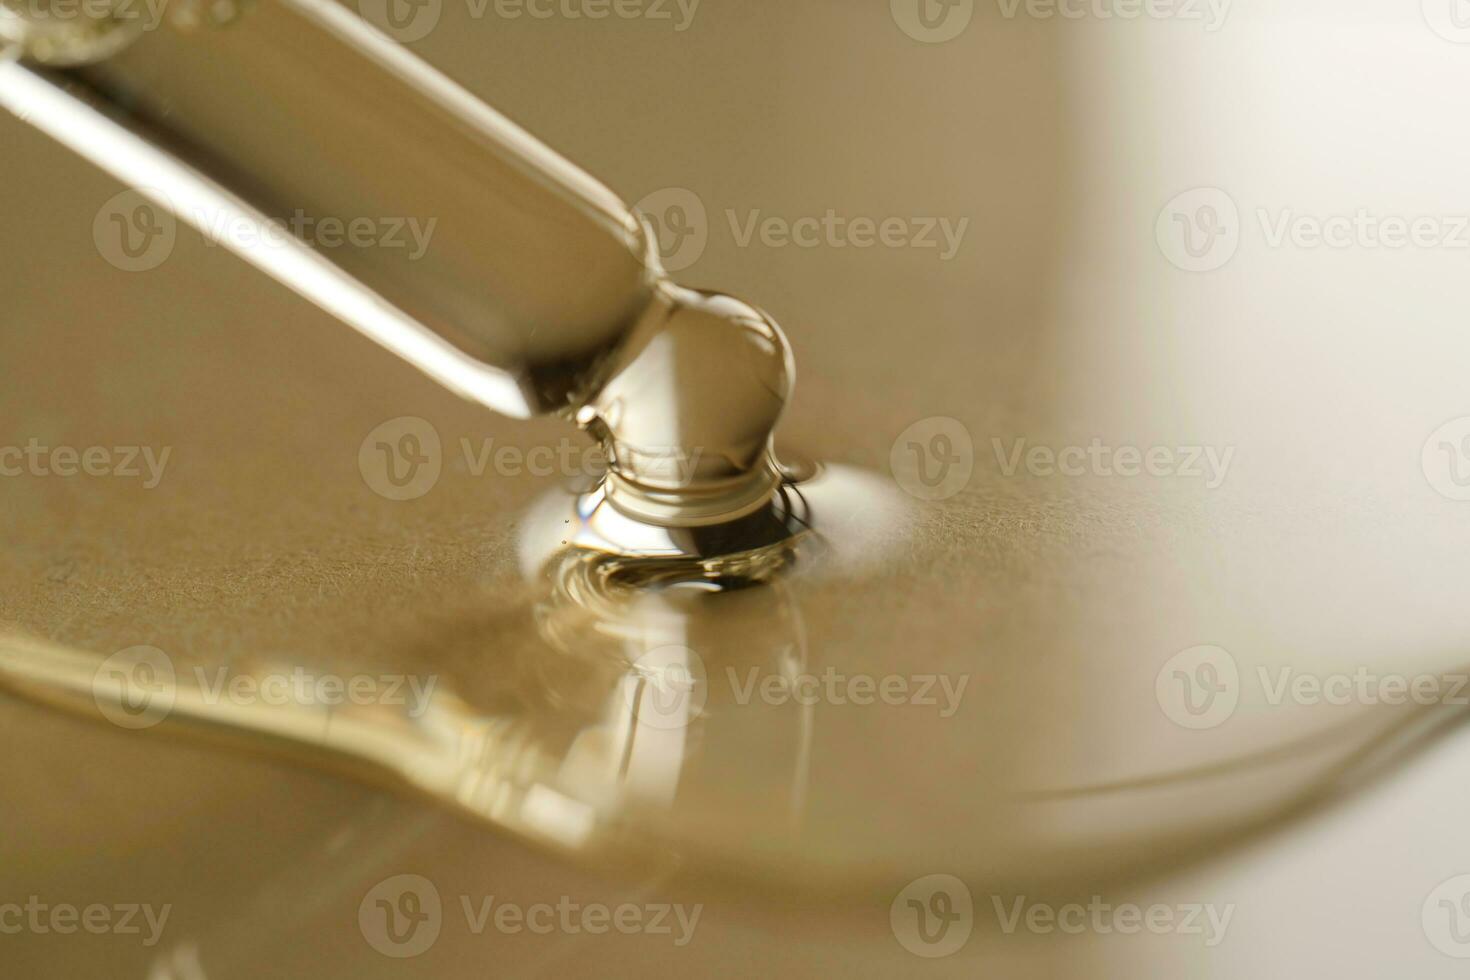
(722, 706)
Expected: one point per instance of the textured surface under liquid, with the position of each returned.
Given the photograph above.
(1058, 598)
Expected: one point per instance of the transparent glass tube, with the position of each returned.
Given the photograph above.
(494, 264)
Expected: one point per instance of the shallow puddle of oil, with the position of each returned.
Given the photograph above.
(1027, 627)
(854, 718)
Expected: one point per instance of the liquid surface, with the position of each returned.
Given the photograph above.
(1061, 601)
